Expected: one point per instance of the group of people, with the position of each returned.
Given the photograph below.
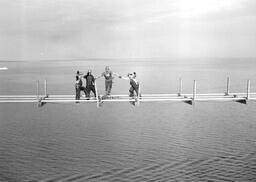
(109, 76)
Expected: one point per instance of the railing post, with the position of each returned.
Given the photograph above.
(248, 90)
(194, 90)
(139, 94)
(45, 88)
(228, 86)
(37, 89)
(97, 96)
(39, 104)
(180, 87)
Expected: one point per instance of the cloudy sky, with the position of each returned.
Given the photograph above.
(76, 29)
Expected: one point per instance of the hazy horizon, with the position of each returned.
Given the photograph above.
(114, 29)
(134, 59)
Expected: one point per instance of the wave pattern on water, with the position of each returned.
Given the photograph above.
(190, 170)
(153, 142)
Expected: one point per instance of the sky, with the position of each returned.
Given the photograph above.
(84, 29)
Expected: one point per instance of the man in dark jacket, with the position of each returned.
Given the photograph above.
(90, 84)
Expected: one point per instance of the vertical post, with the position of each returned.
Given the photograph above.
(37, 89)
(45, 88)
(180, 87)
(39, 104)
(139, 94)
(194, 90)
(248, 89)
(228, 86)
(97, 97)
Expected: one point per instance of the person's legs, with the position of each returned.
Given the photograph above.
(132, 95)
(77, 93)
(87, 91)
(131, 90)
(93, 90)
(137, 90)
(84, 89)
(108, 86)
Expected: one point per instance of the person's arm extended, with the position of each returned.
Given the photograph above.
(124, 77)
(116, 74)
(99, 76)
(80, 74)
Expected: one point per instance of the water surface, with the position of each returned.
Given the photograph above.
(119, 142)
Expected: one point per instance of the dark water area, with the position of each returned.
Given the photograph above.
(119, 142)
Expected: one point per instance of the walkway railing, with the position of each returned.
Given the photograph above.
(189, 98)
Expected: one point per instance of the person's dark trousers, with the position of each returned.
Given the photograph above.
(82, 88)
(77, 93)
(90, 88)
(132, 89)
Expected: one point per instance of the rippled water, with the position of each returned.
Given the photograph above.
(119, 142)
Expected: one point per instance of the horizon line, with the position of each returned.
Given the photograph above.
(119, 58)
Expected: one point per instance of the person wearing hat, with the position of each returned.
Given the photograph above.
(133, 82)
(90, 83)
